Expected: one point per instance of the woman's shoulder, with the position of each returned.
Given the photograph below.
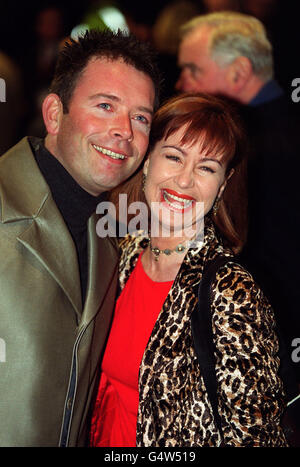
(235, 269)
(239, 305)
(237, 284)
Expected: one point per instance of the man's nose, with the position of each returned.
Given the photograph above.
(122, 128)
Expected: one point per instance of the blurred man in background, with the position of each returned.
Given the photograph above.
(229, 54)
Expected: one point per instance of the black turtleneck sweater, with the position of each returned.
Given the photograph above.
(75, 204)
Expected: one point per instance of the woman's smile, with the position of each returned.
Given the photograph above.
(177, 201)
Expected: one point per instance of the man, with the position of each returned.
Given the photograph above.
(229, 54)
(58, 279)
(225, 53)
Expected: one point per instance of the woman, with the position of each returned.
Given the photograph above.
(151, 391)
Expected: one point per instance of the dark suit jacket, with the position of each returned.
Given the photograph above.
(272, 251)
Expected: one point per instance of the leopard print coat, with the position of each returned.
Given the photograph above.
(174, 409)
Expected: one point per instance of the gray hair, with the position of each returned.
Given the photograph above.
(234, 35)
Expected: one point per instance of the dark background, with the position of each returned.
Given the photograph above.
(21, 41)
(18, 36)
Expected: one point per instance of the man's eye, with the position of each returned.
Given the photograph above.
(142, 118)
(104, 106)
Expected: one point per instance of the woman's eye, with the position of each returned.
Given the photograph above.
(173, 158)
(207, 169)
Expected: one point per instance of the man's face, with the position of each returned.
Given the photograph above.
(199, 73)
(103, 138)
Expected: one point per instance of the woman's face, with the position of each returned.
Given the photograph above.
(184, 179)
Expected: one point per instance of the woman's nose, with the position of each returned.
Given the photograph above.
(185, 178)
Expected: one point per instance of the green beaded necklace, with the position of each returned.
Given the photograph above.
(156, 251)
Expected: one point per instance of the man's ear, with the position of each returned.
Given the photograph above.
(239, 72)
(52, 112)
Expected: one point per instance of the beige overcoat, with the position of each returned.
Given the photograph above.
(50, 343)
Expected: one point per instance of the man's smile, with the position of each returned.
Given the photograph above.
(108, 152)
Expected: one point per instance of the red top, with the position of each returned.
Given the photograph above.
(115, 413)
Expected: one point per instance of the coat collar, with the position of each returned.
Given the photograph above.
(182, 297)
(25, 196)
(23, 190)
(103, 260)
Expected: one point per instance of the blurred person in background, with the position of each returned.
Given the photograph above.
(229, 54)
(159, 23)
(221, 5)
(40, 63)
(165, 37)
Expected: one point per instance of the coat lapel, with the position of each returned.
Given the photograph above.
(103, 262)
(27, 202)
(49, 241)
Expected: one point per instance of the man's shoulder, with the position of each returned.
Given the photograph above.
(22, 146)
(22, 186)
(280, 109)
(273, 125)
(12, 164)
(16, 159)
